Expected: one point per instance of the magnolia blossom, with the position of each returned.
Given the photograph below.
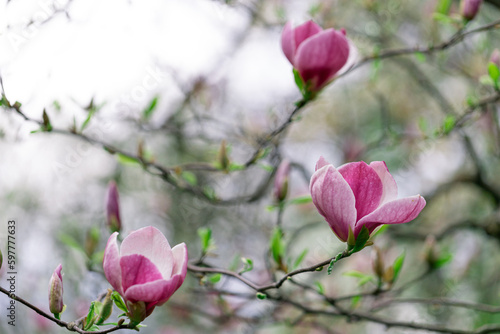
(56, 304)
(469, 8)
(315, 53)
(356, 195)
(113, 208)
(145, 271)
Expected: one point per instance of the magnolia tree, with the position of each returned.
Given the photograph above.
(299, 211)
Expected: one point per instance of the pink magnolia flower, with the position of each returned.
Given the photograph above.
(356, 195)
(315, 53)
(469, 8)
(56, 304)
(113, 208)
(145, 271)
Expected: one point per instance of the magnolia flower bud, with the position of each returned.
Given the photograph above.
(56, 304)
(495, 57)
(281, 181)
(469, 8)
(113, 208)
(107, 308)
(377, 262)
(91, 241)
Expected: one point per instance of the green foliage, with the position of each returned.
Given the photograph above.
(494, 73)
(261, 295)
(190, 178)
(205, 235)
(397, 265)
(361, 277)
(361, 240)
(300, 258)
(117, 299)
(148, 111)
(277, 246)
(247, 265)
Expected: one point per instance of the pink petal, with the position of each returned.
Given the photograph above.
(395, 212)
(334, 199)
(365, 184)
(152, 244)
(321, 56)
(180, 262)
(390, 191)
(137, 269)
(304, 31)
(154, 292)
(111, 264)
(288, 42)
(321, 163)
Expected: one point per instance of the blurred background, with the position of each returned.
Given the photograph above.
(172, 81)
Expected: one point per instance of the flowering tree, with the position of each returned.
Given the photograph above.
(398, 233)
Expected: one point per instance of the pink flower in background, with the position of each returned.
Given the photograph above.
(469, 8)
(113, 208)
(56, 304)
(145, 271)
(357, 195)
(315, 53)
(495, 57)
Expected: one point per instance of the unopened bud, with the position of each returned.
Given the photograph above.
(281, 181)
(107, 308)
(430, 251)
(470, 8)
(113, 208)
(91, 241)
(222, 157)
(56, 304)
(377, 262)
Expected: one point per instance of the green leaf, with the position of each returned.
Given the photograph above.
(205, 235)
(87, 120)
(300, 200)
(90, 316)
(126, 160)
(420, 57)
(362, 278)
(190, 178)
(150, 108)
(68, 240)
(448, 124)
(247, 265)
(119, 301)
(320, 287)
(277, 245)
(443, 18)
(330, 266)
(443, 259)
(355, 301)
(233, 166)
(361, 240)
(215, 278)
(494, 73)
(397, 265)
(443, 6)
(261, 295)
(300, 258)
(299, 82)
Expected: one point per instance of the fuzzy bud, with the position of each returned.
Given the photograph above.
(113, 208)
(281, 181)
(107, 308)
(56, 304)
(470, 8)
